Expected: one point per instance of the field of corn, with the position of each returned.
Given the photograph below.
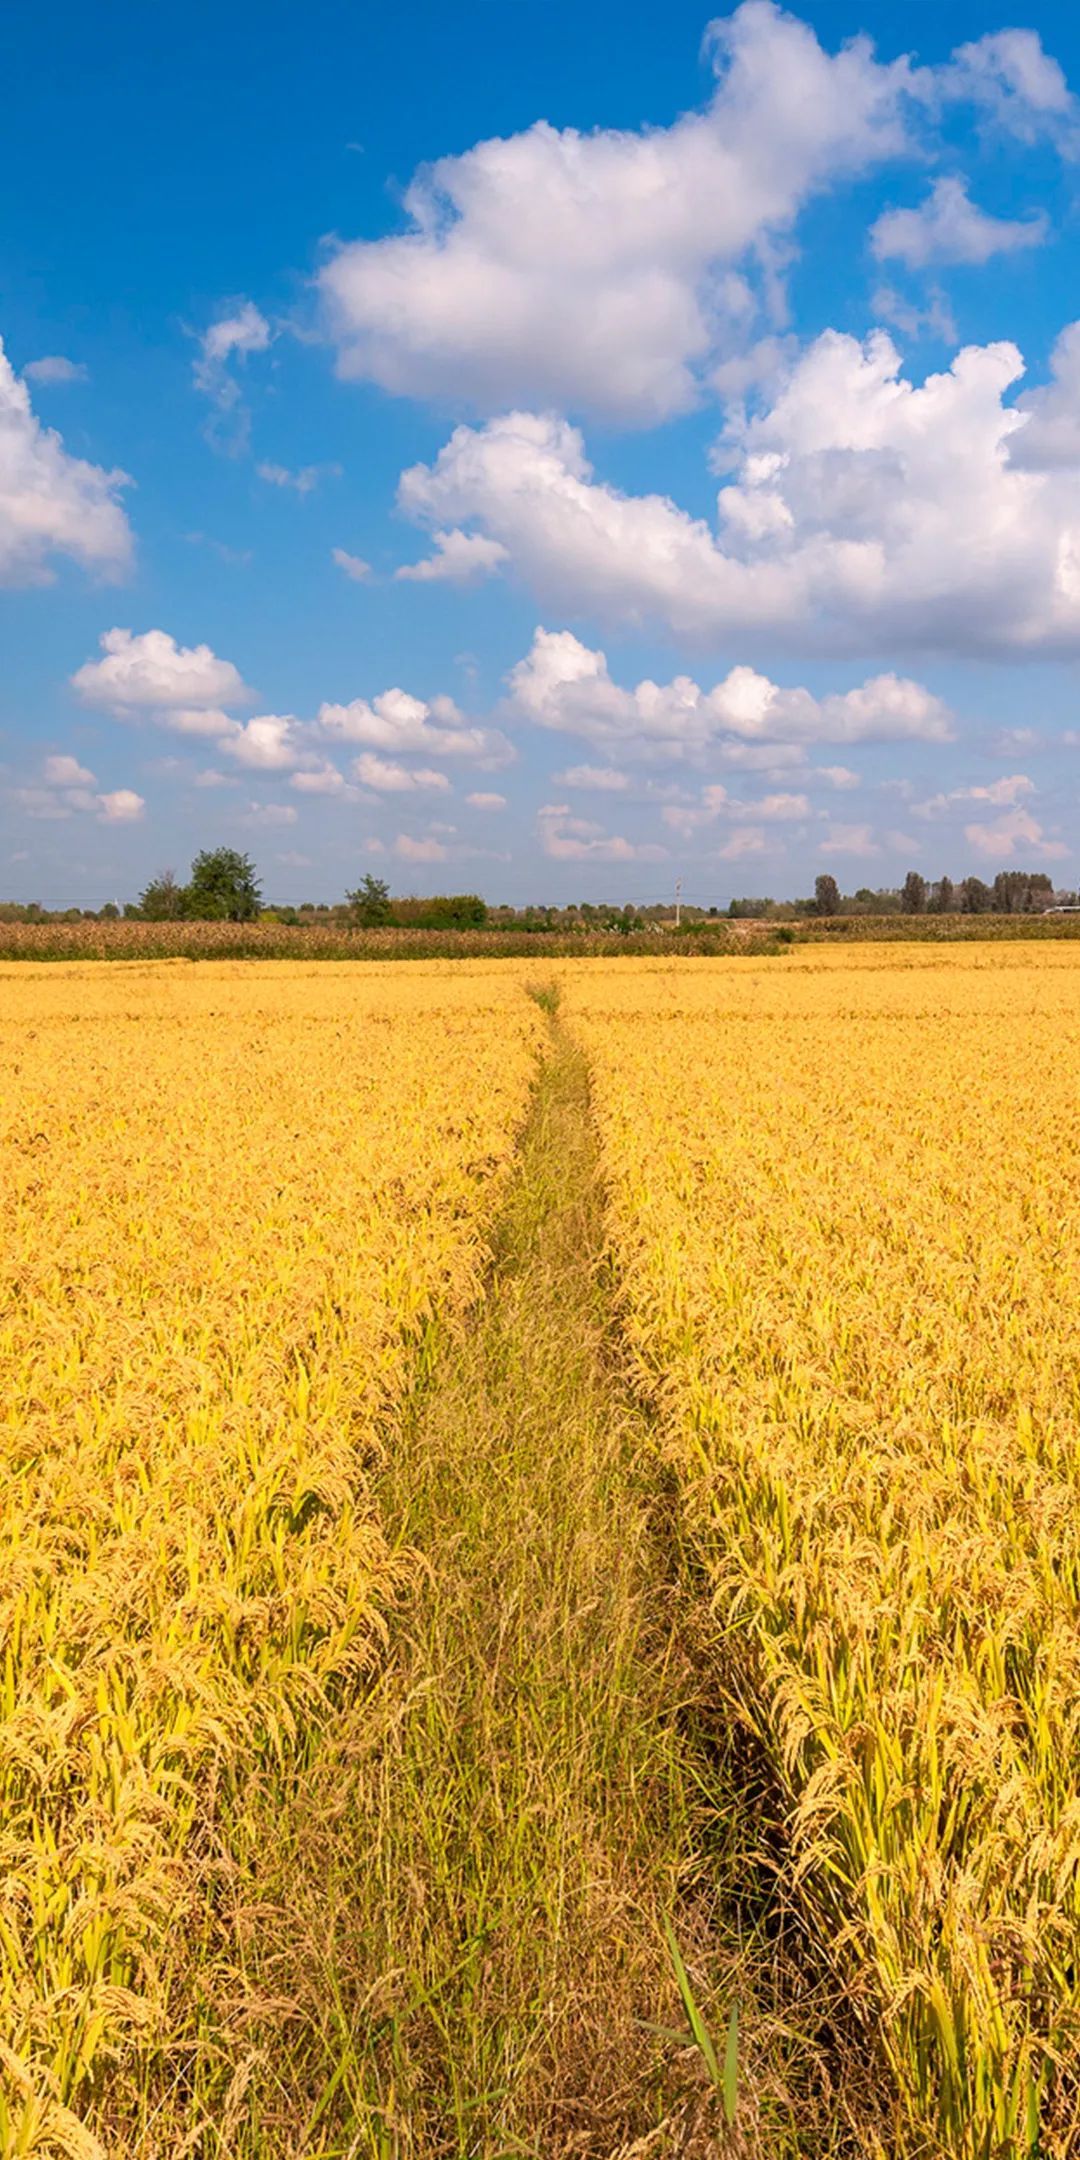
(58, 940)
(842, 1198)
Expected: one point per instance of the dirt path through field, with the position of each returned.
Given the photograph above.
(473, 1881)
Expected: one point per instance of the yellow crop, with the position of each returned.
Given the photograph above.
(232, 1199)
(845, 1208)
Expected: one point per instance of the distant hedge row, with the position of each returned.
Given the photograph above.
(130, 940)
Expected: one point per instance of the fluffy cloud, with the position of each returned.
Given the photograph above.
(599, 270)
(854, 840)
(302, 481)
(563, 685)
(323, 779)
(353, 566)
(273, 742)
(1017, 831)
(52, 503)
(236, 334)
(406, 726)
(121, 807)
(151, 672)
(66, 772)
(715, 803)
(1013, 788)
(1049, 439)
(865, 512)
(610, 272)
(566, 838)
(459, 559)
(269, 813)
(209, 721)
(419, 851)
(950, 228)
(593, 779)
(390, 779)
(482, 801)
(53, 369)
(187, 689)
(1020, 86)
(65, 789)
(246, 330)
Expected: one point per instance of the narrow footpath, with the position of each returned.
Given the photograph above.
(480, 1869)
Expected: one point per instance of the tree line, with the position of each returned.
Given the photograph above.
(1013, 892)
(223, 886)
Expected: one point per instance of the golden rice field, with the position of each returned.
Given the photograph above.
(845, 1208)
(231, 1202)
(843, 1215)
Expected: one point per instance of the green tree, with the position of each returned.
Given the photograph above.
(943, 896)
(826, 895)
(452, 911)
(371, 902)
(223, 887)
(163, 899)
(914, 894)
(975, 897)
(1017, 892)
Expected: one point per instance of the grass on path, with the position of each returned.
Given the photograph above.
(456, 1934)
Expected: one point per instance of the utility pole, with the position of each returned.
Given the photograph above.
(678, 901)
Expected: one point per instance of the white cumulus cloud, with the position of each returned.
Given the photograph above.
(1011, 789)
(1019, 85)
(353, 566)
(272, 742)
(865, 512)
(419, 850)
(949, 228)
(407, 726)
(599, 270)
(564, 685)
(66, 772)
(593, 779)
(566, 838)
(50, 502)
(855, 840)
(302, 482)
(269, 813)
(715, 803)
(149, 671)
(121, 807)
(611, 272)
(55, 369)
(227, 343)
(459, 559)
(1016, 832)
(65, 789)
(388, 778)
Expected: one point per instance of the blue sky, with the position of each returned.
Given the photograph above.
(718, 378)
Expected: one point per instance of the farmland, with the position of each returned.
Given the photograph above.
(515, 1468)
(232, 1207)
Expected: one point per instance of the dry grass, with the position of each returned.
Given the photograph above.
(452, 1939)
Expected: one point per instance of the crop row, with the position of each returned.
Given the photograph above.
(845, 1210)
(230, 1206)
